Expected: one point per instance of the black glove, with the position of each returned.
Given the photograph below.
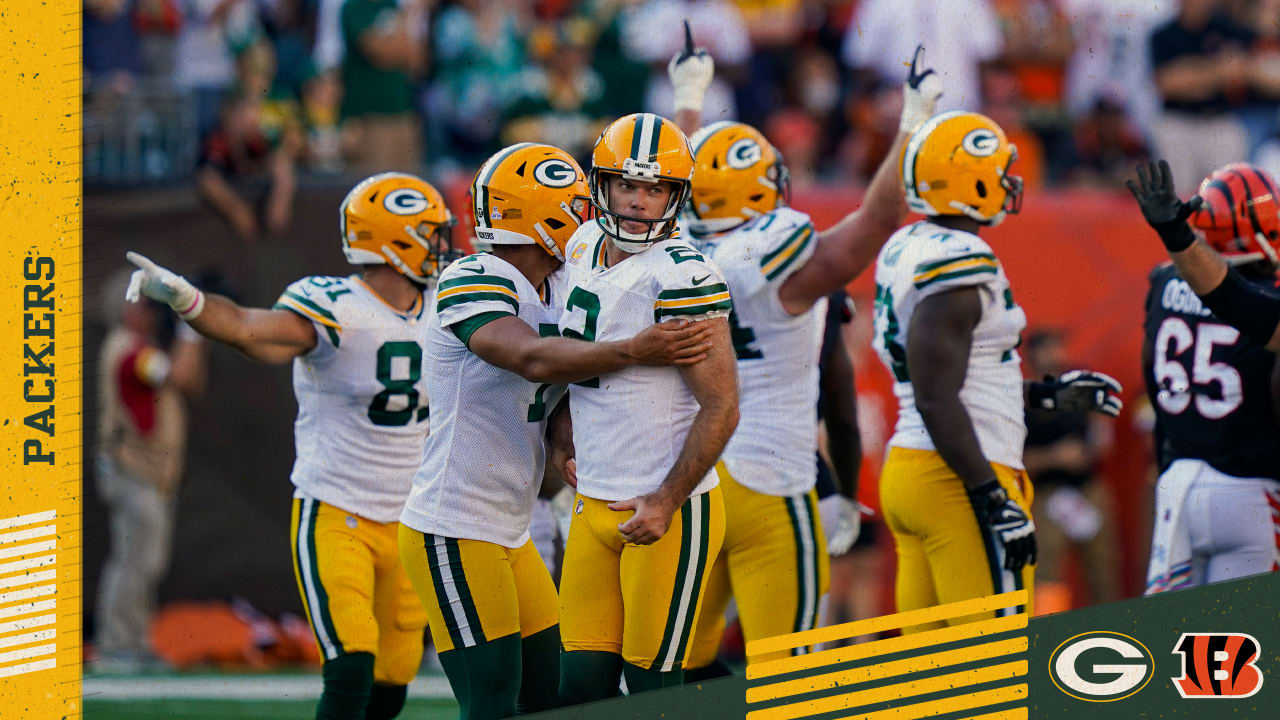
(1077, 391)
(1002, 518)
(1164, 212)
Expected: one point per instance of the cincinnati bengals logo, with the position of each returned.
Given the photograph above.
(1218, 665)
(980, 143)
(744, 153)
(555, 173)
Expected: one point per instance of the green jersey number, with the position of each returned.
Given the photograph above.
(679, 255)
(897, 353)
(378, 412)
(590, 302)
(324, 282)
(743, 339)
(538, 408)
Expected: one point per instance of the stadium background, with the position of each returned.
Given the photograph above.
(186, 98)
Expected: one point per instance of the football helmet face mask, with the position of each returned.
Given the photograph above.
(737, 175)
(958, 163)
(644, 149)
(529, 194)
(399, 220)
(1240, 215)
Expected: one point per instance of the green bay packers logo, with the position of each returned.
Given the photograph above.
(555, 173)
(744, 153)
(981, 142)
(1101, 666)
(405, 201)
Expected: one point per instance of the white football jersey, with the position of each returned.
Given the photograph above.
(483, 463)
(772, 451)
(629, 426)
(921, 260)
(362, 401)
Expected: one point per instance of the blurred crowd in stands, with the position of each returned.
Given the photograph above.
(220, 89)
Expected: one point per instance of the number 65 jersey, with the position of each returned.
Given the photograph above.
(1209, 385)
(362, 402)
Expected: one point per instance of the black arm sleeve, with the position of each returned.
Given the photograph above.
(1248, 307)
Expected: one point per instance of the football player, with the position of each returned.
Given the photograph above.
(648, 516)
(1247, 306)
(1216, 393)
(953, 489)
(356, 347)
(495, 365)
(779, 270)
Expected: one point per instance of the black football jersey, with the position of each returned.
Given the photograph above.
(1210, 385)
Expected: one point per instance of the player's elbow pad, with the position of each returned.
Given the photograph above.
(1250, 308)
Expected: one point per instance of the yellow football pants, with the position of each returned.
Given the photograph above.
(475, 591)
(774, 563)
(638, 601)
(942, 555)
(355, 591)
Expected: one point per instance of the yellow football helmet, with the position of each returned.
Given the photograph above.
(957, 163)
(400, 220)
(643, 148)
(737, 175)
(529, 194)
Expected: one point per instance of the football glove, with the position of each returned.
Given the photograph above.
(1163, 211)
(690, 71)
(841, 521)
(920, 94)
(1002, 518)
(163, 285)
(1077, 391)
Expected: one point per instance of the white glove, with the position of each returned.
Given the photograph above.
(841, 521)
(163, 286)
(919, 94)
(690, 71)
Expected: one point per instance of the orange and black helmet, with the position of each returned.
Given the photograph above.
(1240, 215)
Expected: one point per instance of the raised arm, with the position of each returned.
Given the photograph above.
(851, 245)
(509, 343)
(691, 71)
(714, 383)
(1250, 308)
(268, 336)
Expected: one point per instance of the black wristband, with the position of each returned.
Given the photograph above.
(1176, 235)
(1042, 395)
(1250, 308)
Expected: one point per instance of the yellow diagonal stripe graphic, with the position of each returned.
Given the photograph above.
(887, 622)
(881, 671)
(929, 638)
(861, 698)
(951, 704)
(1018, 713)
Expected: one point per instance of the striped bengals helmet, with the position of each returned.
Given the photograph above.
(528, 194)
(1240, 216)
(737, 175)
(399, 220)
(644, 148)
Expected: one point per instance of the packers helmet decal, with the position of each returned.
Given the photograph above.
(643, 148)
(399, 220)
(737, 175)
(957, 163)
(529, 194)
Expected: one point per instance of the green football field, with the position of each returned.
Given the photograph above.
(212, 695)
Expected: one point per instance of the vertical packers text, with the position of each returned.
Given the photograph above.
(37, 353)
